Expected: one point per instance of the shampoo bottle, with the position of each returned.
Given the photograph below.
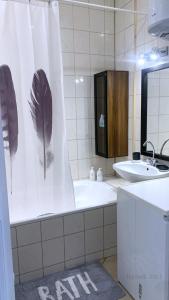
(100, 175)
(92, 174)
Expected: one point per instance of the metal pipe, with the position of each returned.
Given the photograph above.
(149, 142)
(161, 152)
(98, 6)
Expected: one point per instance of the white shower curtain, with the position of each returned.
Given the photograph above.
(32, 109)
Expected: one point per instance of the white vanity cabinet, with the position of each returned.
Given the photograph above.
(143, 242)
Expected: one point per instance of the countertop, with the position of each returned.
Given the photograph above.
(154, 192)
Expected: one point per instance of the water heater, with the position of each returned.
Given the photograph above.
(159, 18)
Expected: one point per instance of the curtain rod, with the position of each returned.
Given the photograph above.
(103, 6)
(77, 2)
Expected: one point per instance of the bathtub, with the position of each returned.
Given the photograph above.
(53, 242)
(93, 194)
(87, 194)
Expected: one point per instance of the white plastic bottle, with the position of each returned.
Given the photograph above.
(100, 175)
(92, 174)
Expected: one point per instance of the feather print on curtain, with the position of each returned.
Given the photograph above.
(41, 111)
(9, 114)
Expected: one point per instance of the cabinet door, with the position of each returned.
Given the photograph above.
(151, 257)
(126, 241)
(101, 114)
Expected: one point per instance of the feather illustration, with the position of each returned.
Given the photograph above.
(41, 111)
(9, 114)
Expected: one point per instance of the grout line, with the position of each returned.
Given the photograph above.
(62, 262)
(64, 235)
(42, 247)
(18, 260)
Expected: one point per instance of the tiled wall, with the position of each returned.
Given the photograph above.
(50, 245)
(131, 40)
(88, 47)
(125, 54)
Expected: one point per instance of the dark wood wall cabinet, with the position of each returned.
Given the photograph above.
(111, 113)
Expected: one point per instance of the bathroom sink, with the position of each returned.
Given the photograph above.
(135, 171)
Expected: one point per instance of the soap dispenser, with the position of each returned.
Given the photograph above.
(100, 175)
(92, 174)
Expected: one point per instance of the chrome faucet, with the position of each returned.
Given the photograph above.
(153, 160)
(161, 151)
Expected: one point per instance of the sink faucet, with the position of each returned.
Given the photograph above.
(153, 160)
(161, 151)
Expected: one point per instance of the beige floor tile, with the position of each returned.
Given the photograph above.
(110, 264)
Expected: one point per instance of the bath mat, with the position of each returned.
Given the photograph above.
(88, 282)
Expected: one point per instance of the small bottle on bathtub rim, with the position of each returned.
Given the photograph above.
(100, 175)
(92, 174)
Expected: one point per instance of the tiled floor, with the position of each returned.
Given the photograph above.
(110, 265)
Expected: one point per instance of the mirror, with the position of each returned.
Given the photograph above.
(155, 111)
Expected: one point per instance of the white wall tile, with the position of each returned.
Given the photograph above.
(74, 169)
(15, 261)
(69, 86)
(153, 87)
(109, 44)
(110, 236)
(83, 87)
(110, 252)
(110, 214)
(99, 2)
(66, 16)
(54, 269)
(152, 124)
(13, 237)
(94, 256)
(30, 258)
(75, 262)
(129, 39)
(84, 149)
(68, 63)
(53, 251)
(97, 42)
(82, 64)
(70, 105)
(72, 147)
(31, 276)
(81, 41)
(109, 62)
(67, 40)
(109, 22)
(52, 228)
(93, 218)
(84, 108)
(81, 18)
(163, 123)
(84, 129)
(97, 63)
(73, 223)
(94, 240)
(28, 234)
(138, 128)
(74, 246)
(153, 106)
(96, 20)
(71, 129)
(164, 106)
(84, 167)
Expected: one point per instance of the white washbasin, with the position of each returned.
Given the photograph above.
(135, 171)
